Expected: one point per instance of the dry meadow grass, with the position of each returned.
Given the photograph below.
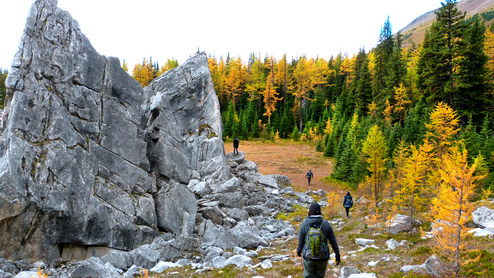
(294, 159)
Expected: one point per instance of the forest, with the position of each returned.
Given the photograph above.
(390, 91)
(413, 125)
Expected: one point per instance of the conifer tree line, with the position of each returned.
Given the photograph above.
(389, 92)
(3, 91)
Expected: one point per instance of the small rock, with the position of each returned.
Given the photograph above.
(162, 266)
(364, 242)
(346, 271)
(266, 264)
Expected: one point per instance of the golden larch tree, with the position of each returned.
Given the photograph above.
(401, 102)
(396, 175)
(170, 64)
(452, 209)
(412, 182)
(303, 78)
(375, 151)
(144, 73)
(218, 77)
(270, 97)
(489, 51)
(256, 82)
(440, 135)
(234, 80)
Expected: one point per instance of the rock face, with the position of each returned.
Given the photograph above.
(88, 158)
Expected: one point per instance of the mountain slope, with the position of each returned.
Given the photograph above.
(414, 32)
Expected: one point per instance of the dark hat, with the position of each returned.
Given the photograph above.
(315, 209)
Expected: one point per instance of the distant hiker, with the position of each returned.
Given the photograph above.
(309, 176)
(313, 243)
(348, 203)
(235, 145)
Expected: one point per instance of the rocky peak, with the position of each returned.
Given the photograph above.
(88, 158)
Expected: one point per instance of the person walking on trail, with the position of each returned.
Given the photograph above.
(348, 203)
(309, 176)
(315, 232)
(235, 146)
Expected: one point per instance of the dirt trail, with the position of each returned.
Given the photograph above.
(292, 159)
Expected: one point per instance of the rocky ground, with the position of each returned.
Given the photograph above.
(264, 236)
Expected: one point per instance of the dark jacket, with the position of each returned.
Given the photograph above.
(327, 230)
(235, 143)
(309, 175)
(348, 204)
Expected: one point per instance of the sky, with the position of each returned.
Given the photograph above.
(132, 30)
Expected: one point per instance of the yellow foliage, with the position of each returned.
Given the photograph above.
(375, 151)
(489, 50)
(387, 112)
(311, 134)
(144, 73)
(401, 101)
(332, 204)
(442, 128)
(41, 274)
(397, 175)
(452, 209)
(372, 110)
(329, 128)
(125, 67)
(374, 217)
(411, 192)
(170, 64)
(270, 97)
(234, 80)
(143, 273)
(277, 136)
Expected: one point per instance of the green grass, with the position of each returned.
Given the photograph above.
(298, 211)
(481, 264)
(422, 250)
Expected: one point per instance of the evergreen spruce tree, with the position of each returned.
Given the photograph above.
(487, 150)
(285, 125)
(397, 70)
(236, 131)
(3, 90)
(394, 138)
(295, 134)
(317, 105)
(472, 82)
(443, 48)
(256, 131)
(229, 120)
(348, 151)
(361, 87)
(383, 53)
(414, 129)
(471, 140)
(244, 126)
(319, 146)
(330, 148)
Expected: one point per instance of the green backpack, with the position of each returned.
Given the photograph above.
(315, 246)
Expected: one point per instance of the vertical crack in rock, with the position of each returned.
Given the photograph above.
(89, 157)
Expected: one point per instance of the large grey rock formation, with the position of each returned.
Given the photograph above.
(88, 158)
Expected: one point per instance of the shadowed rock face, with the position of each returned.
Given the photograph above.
(88, 157)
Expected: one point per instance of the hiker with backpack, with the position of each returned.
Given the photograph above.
(315, 232)
(309, 176)
(348, 203)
